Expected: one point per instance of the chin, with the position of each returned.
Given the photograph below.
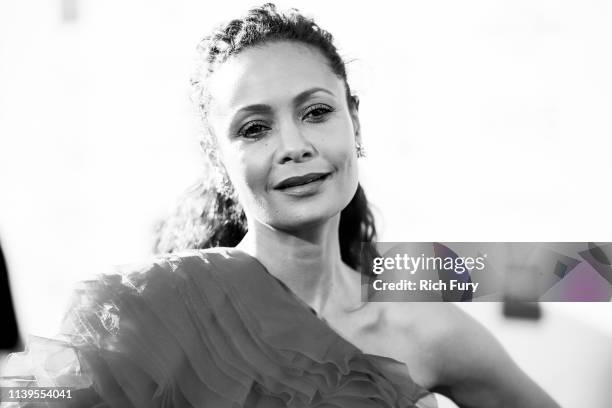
(294, 215)
(297, 219)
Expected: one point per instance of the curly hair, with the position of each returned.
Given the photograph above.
(208, 216)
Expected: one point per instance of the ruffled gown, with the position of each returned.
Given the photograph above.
(208, 328)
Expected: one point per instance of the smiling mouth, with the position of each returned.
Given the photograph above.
(301, 180)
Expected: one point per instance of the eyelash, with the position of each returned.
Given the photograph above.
(318, 106)
(244, 130)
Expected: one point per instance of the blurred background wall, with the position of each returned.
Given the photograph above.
(483, 121)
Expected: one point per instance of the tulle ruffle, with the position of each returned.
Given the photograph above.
(208, 329)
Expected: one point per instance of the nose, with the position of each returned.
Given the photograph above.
(294, 146)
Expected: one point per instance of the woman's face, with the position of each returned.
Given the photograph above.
(285, 133)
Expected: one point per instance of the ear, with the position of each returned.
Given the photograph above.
(354, 111)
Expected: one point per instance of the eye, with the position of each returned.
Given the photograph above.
(317, 112)
(254, 129)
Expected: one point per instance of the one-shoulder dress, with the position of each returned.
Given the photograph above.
(209, 328)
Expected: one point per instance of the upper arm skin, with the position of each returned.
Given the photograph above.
(472, 367)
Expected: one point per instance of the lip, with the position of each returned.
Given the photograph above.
(299, 181)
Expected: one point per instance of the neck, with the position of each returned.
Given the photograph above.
(308, 261)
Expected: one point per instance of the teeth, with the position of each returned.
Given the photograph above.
(310, 180)
(301, 184)
(315, 179)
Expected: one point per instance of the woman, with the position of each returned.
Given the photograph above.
(276, 321)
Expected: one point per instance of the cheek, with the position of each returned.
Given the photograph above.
(248, 171)
(351, 169)
(342, 152)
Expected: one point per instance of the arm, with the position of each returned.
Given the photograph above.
(473, 369)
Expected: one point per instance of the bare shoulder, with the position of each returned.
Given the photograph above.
(428, 324)
(419, 331)
(463, 359)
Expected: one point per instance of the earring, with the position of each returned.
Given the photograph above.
(360, 150)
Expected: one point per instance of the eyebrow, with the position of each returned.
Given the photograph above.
(299, 99)
(302, 96)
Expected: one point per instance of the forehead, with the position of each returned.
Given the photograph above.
(270, 73)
